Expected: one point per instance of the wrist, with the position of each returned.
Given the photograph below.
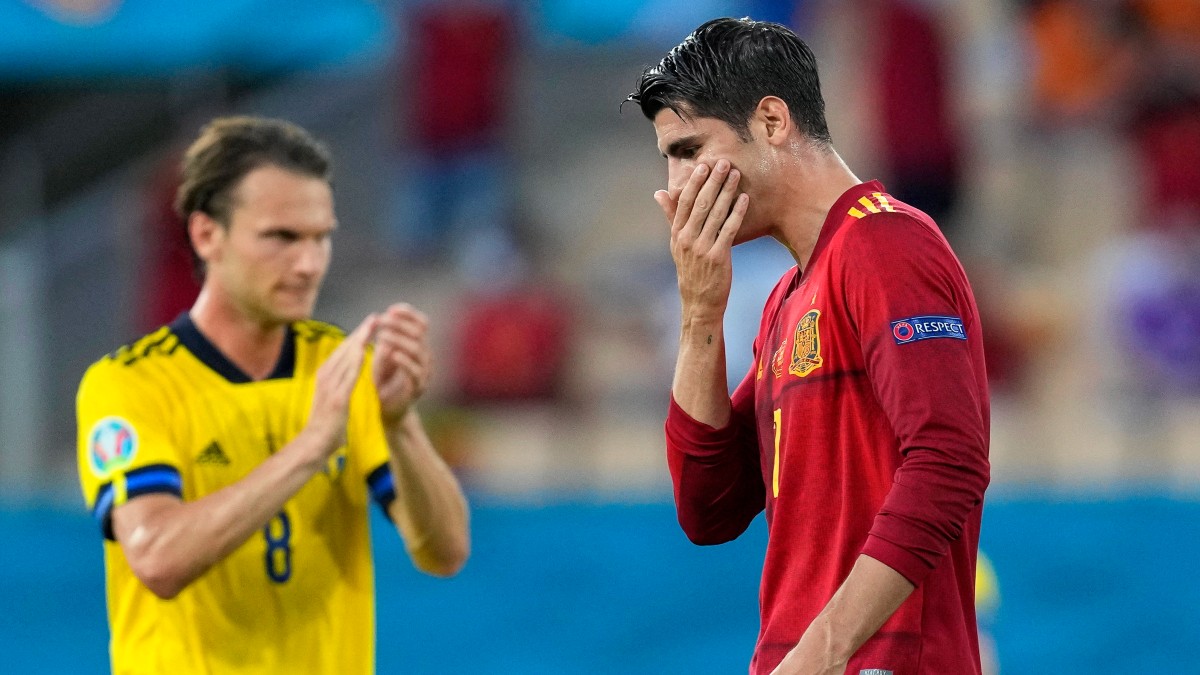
(314, 445)
(394, 422)
(836, 640)
(702, 330)
(819, 645)
(703, 318)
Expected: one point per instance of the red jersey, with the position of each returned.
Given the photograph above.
(861, 429)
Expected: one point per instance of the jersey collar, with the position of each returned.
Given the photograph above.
(838, 214)
(190, 337)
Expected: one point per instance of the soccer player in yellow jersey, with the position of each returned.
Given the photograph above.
(230, 458)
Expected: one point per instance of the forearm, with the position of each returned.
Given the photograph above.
(866, 599)
(934, 493)
(429, 510)
(718, 485)
(170, 543)
(869, 596)
(700, 387)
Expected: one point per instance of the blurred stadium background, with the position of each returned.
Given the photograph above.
(487, 174)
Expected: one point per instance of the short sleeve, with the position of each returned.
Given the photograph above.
(124, 449)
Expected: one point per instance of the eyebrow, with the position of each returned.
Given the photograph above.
(679, 144)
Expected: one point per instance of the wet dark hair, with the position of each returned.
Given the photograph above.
(726, 66)
(228, 149)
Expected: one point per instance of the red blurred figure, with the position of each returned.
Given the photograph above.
(168, 286)
(512, 345)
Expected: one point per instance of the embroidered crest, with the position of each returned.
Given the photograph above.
(806, 353)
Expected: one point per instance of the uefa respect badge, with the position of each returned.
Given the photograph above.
(111, 445)
(919, 328)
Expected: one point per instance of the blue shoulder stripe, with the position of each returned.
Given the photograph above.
(141, 481)
(382, 485)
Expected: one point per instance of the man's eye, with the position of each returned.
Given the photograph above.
(688, 152)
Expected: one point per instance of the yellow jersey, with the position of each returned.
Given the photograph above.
(170, 414)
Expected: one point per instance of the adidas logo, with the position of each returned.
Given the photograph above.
(213, 454)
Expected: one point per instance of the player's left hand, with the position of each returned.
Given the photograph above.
(401, 364)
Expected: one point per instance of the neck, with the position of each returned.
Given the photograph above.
(813, 182)
(253, 345)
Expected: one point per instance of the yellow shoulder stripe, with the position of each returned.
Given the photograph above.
(884, 205)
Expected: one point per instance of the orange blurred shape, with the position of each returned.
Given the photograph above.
(1072, 57)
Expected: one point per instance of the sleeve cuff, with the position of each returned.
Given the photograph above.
(910, 565)
(155, 478)
(382, 485)
(694, 437)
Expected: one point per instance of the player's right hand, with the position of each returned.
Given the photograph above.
(705, 217)
(336, 379)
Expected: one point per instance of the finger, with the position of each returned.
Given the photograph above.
(363, 333)
(687, 197)
(412, 370)
(733, 223)
(352, 341)
(403, 309)
(666, 204)
(408, 364)
(705, 199)
(404, 377)
(412, 358)
(346, 361)
(405, 333)
(390, 340)
(721, 209)
(406, 321)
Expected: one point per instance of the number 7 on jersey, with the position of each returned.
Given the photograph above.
(778, 415)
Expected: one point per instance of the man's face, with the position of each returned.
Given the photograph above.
(271, 258)
(704, 140)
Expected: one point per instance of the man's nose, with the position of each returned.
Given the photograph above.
(311, 258)
(677, 176)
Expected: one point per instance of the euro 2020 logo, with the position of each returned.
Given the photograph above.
(112, 445)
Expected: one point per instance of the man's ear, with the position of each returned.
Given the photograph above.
(773, 120)
(206, 234)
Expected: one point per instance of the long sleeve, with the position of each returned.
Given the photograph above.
(716, 473)
(921, 343)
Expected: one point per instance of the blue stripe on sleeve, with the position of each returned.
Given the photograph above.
(103, 505)
(145, 480)
(382, 485)
(155, 478)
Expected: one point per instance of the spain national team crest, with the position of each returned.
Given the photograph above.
(111, 445)
(806, 352)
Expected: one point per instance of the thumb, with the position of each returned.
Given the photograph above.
(667, 204)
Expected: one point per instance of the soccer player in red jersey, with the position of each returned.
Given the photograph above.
(862, 427)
